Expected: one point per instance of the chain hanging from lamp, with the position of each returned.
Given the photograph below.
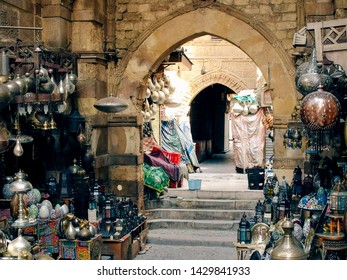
(112, 103)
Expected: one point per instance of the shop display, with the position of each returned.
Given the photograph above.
(310, 226)
(47, 148)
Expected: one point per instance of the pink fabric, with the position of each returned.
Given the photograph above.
(149, 143)
(249, 139)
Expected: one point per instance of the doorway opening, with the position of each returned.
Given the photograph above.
(209, 121)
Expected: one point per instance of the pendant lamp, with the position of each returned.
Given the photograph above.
(111, 104)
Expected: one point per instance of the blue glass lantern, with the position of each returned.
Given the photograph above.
(244, 231)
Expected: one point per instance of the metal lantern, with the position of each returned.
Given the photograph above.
(320, 110)
(21, 186)
(288, 247)
(259, 212)
(244, 231)
(283, 189)
(338, 198)
(252, 222)
(297, 181)
(283, 210)
(267, 205)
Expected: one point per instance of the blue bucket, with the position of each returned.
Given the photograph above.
(194, 184)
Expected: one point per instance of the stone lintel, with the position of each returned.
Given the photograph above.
(53, 2)
(312, 8)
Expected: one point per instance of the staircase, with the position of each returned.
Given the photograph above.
(206, 217)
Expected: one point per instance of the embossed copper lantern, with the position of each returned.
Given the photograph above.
(320, 110)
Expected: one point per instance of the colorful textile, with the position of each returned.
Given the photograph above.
(157, 158)
(174, 139)
(155, 177)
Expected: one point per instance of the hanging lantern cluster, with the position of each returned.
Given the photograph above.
(292, 138)
(37, 90)
(309, 76)
(246, 103)
(320, 108)
(159, 91)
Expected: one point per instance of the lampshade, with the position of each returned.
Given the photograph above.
(111, 104)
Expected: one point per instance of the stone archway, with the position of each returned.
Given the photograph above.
(253, 38)
(199, 83)
(149, 50)
(220, 77)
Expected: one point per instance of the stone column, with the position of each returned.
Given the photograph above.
(56, 22)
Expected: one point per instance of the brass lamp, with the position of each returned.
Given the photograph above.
(20, 186)
(288, 247)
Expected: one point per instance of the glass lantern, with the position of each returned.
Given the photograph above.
(259, 212)
(267, 205)
(244, 231)
(338, 198)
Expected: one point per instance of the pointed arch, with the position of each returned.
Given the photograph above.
(148, 51)
(215, 77)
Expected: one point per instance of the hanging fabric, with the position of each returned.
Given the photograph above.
(249, 140)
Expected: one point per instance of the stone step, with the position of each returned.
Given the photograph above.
(181, 202)
(189, 224)
(192, 237)
(197, 214)
(208, 194)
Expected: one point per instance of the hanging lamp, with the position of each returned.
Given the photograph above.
(111, 104)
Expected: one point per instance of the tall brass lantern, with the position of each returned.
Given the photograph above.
(288, 247)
